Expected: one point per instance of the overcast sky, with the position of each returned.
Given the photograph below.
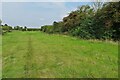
(36, 14)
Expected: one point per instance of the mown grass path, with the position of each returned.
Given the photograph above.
(28, 57)
(40, 55)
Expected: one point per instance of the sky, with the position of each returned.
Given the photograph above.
(36, 14)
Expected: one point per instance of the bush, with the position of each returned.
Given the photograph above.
(47, 28)
(33, 29)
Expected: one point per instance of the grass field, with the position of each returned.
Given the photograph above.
(40, 55)
(0, 56)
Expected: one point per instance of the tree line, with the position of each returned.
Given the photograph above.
(102, 21)
(6, 28)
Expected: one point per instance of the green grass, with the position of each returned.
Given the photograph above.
(0, 56)
(40, 55)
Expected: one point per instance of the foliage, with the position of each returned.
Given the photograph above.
(5, 28)
(47, 28)
(88, 22)
(0, 22)
(18, 28)
(33, 29)
(26, 29)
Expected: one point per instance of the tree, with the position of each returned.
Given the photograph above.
(0, 26)
(107, 20)
(5, 25)
(0, 22)
(57, 27)
(97, 5)
(25, 28)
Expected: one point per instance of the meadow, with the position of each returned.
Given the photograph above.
(34, 54)
(0, 56)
